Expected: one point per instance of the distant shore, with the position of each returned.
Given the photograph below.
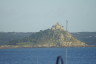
(16, 46)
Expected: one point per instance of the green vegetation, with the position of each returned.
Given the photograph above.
(54, 37)
(5, 37)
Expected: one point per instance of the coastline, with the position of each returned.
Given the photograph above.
(17, 46)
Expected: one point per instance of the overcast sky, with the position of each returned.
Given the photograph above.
(36, 15)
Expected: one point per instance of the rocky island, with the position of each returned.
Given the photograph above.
(54, 37)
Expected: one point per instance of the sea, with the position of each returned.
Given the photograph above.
(75, 55)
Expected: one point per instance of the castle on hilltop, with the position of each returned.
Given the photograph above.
(57, 26)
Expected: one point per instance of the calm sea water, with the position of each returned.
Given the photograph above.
(82, 55)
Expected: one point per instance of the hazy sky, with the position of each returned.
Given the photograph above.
(36, 15)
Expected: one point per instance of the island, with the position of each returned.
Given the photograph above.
(56, 36)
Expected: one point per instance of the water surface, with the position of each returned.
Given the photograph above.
(76, 55)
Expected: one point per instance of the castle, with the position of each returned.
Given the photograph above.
(57, 26)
